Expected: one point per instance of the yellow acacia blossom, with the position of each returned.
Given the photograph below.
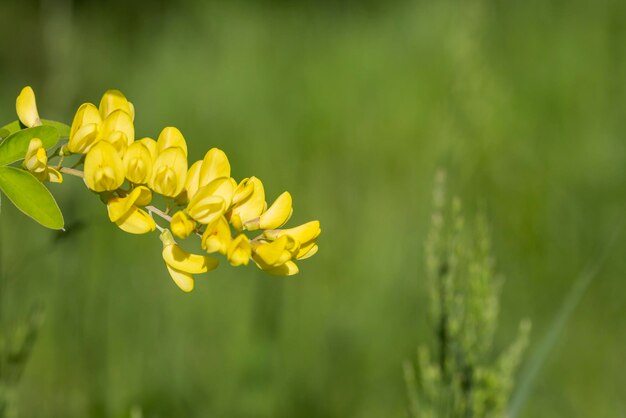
(125, 211)
(36, 161)
(248, 208)
(239, 251)
(203, 199)
(104, 170)
(111, 122)
(216, 237)
(26, 107)
(138, 163)
(182, 225)
(183, 265)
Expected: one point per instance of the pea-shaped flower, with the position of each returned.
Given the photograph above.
(104, 170)
(275, 216)
(212, 200)
(183, 265)
(169, 172)
(250, 207)
(216, 237)
(182, 225)
(239, 251)
(36, 161)
(125, 211)
(138, 163)
(305, 234)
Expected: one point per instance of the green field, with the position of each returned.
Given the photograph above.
(353, 108)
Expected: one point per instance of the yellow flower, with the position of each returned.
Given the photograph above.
(250, 207)
(239, 251)
(26, 107)
(171, 137)
(169, 172)
(124, 211)
(216, 237)
(117, 128)
(183, 265)
(270, 255)
(305, 234)
(212, 200)
(138, 163)
(192, 183)
(243, 190)
(112, 122)
(36, 161)
(182, 225)
(103, 168)
(275, 216)
(113, 100)
(84, 130)
(214, 165)
(151, 145)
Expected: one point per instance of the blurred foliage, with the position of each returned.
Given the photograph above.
(353, 108)
(461, 377)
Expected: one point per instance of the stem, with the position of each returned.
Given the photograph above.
(71, 172)
(159, 212)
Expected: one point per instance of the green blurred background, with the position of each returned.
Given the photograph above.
(352, 107)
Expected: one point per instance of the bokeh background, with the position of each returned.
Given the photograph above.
(353, 107)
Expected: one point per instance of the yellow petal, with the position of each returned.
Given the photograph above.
(36, 159)
(152, 147)
(239, 251)
(216, 237)
(288, 269)
(193, 179)
(214, 165)
(251, 207)
(182, 225)
(118, 121)
(169, 172)
(113, 100)
(138, 163)
(222, 187)
(183, 280)
(120, 206)
(86, 114)
(186, 262)
(268, 254)
(171, 137)
(243, 190)
(26, 107)
(206, 209)
(302, 233)
(83, 139)
(136, 221)
(277, 214)
(103, 167)
(307, 251)
(53, 176)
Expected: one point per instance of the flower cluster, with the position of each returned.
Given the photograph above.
(202, 200)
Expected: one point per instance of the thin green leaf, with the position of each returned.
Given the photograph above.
(14, 147)
(559, 323)
(31, 197)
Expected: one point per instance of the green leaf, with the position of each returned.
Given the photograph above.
(63, 129)
(9, 129)
(14, 147)
(15, 126)
(31, 197)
